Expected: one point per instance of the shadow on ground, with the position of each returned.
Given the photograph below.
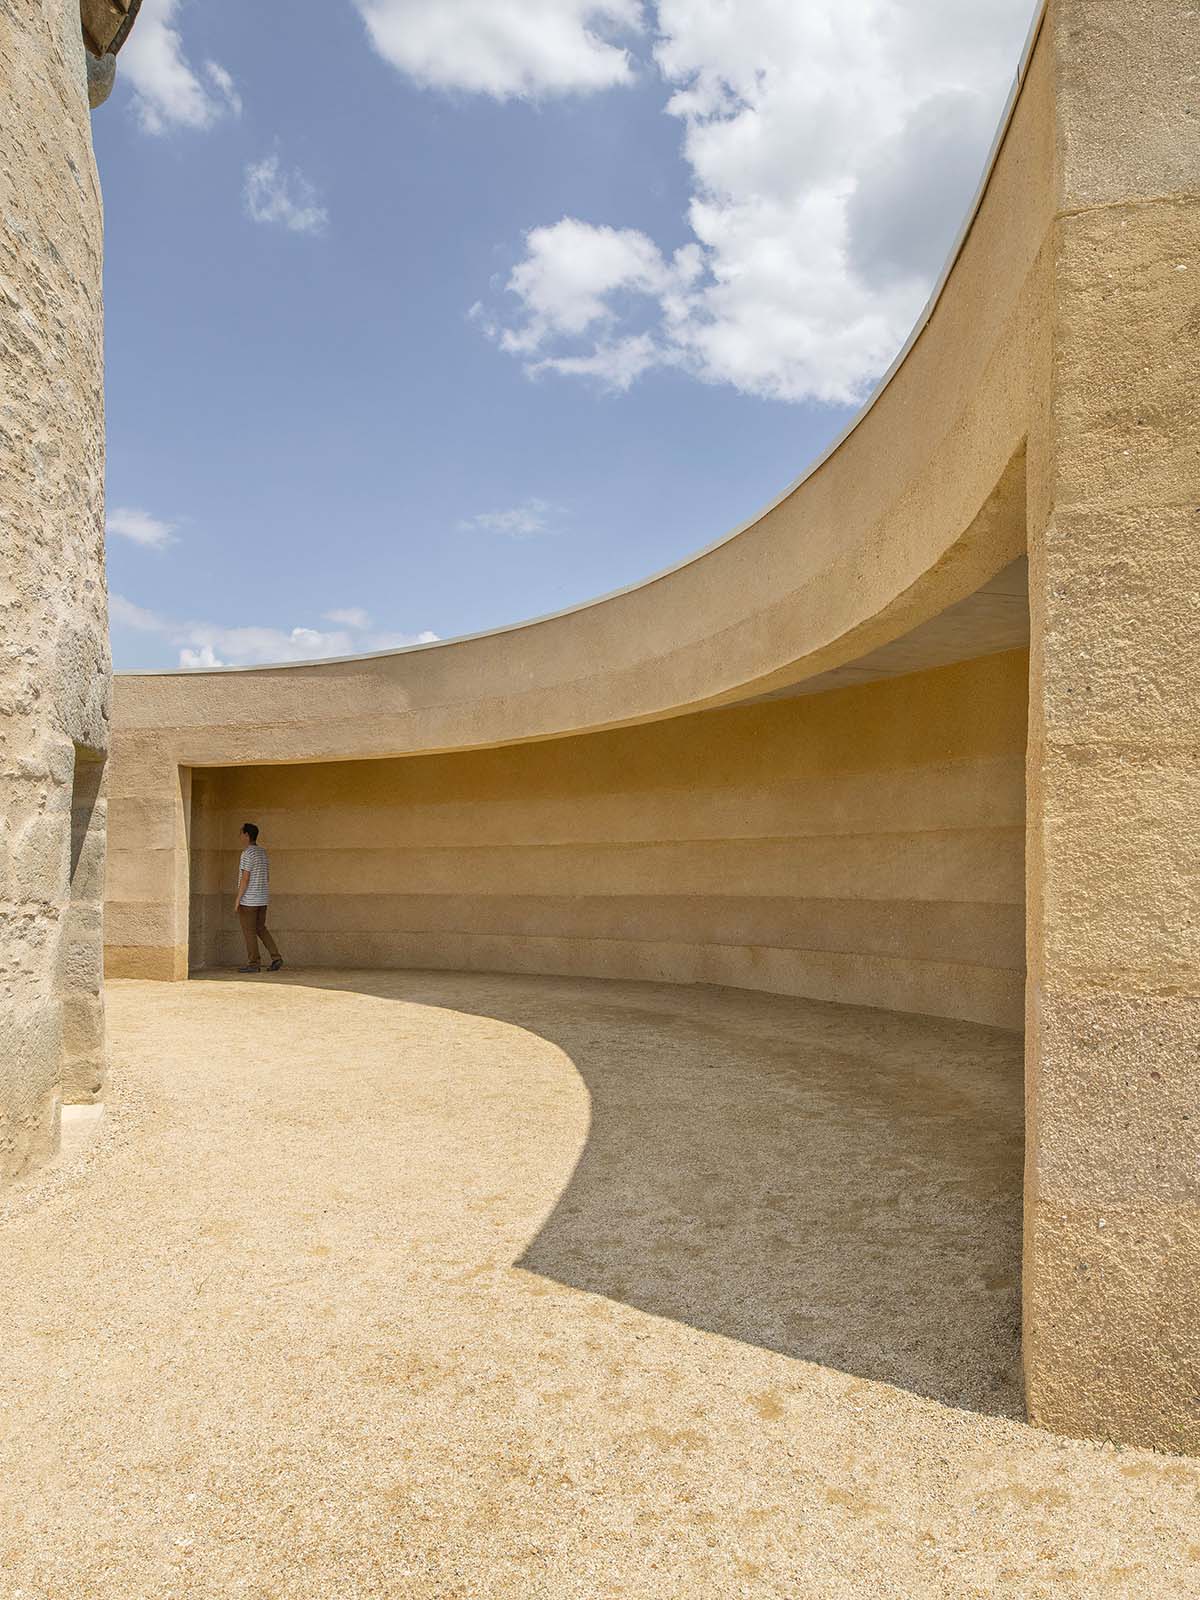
(837, 1184)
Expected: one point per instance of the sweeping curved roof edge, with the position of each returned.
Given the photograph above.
(813, 467)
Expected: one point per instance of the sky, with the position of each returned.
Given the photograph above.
(426, 318)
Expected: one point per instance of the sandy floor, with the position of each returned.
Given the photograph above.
(427, 1285)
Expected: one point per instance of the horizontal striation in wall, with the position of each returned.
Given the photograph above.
(981, 864)
(864, 845)
(939, 796)
(986, 994)
(978, 933)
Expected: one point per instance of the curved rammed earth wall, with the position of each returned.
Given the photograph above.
(865, 845)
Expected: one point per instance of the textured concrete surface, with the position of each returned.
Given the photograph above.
(865, 846)
(376, 1285)
(54, 661)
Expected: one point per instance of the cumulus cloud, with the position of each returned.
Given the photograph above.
(270, 194)
(506, 48)
(575, 278)
(168, 92)
(207, 644)
(525, 521)
(130, 523)
(833, 149)
(897, 221)
(616, 364)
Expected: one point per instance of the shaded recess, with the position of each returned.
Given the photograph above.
(865, 845)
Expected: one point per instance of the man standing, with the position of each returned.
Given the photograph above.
(251, 902)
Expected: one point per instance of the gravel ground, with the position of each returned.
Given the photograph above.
(425, 1285)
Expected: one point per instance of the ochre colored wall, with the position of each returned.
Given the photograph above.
(1112, 1216)
(864, 845)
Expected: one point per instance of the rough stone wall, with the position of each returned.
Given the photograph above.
(54, 663)
(864, 845)
(1112, 1240)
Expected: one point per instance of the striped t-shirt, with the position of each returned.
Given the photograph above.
(254, 861)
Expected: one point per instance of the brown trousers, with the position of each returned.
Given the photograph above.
(254, 927)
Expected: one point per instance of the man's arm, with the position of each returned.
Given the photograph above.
(243, 880)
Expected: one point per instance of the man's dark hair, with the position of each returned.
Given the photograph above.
(250, 829)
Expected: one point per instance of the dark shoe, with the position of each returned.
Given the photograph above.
(276, 964)
(249, 969)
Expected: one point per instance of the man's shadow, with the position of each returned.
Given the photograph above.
(838, 1184)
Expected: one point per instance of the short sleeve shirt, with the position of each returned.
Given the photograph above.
(254, 861)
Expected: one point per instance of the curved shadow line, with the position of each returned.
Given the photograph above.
(836, 1184)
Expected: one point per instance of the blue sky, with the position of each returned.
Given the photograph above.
(423, 319)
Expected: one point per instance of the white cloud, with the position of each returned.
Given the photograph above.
(199, 659)
(348, 617)
(395, 641)
(896, 218)
(208, 644)
(130, 523)
(833, 149)
(270, 194)
(167, 91)
(506, 48)
(224, 85)
(126, 615)
(525, 521)
(616, 365)
(574, 276)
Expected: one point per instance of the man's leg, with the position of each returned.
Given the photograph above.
(248, 917)
(264, 934)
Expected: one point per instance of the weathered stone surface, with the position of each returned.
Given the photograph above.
(1133, 681)
(54, 665)
(1129, 122)
(1112, 1228)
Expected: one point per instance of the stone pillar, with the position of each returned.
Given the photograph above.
(1112, 1240)
(54, 666)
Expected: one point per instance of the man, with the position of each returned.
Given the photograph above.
(251, 902)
